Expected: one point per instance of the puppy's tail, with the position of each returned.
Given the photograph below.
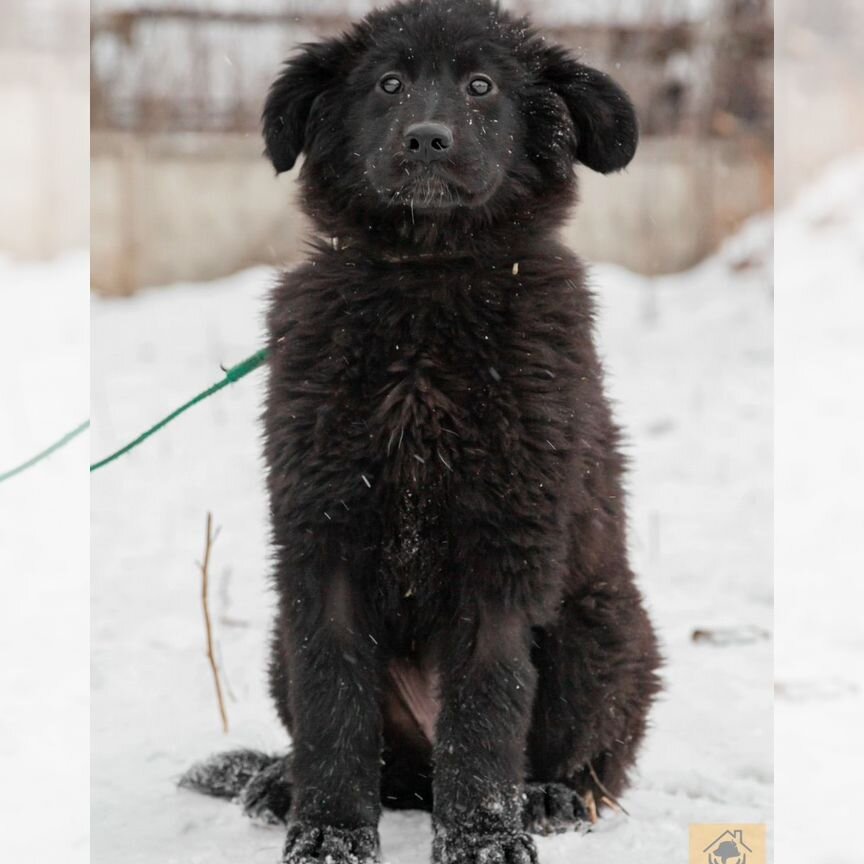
(226, 775)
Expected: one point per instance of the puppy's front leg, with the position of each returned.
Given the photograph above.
(332, 675)
(487, 689)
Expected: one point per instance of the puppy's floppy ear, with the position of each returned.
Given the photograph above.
(291, 97)
(604, 120)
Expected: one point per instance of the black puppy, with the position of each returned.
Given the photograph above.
(458, 626)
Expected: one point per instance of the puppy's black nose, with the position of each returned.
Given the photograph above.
(428, 142)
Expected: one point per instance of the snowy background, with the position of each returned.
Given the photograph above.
(689, 361)
(818, 519)
(44, 542)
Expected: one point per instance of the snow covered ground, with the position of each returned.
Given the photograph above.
(689, 361)
(819, 517)
(44, 544)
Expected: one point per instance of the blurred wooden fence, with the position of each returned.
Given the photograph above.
(44, 145)
(180, 190)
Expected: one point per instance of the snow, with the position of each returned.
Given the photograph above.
(689, 360)
(44, 732)
(820, 560)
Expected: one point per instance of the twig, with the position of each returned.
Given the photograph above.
(211, 656)
(614, 805)
(605, 791)
(590, 807)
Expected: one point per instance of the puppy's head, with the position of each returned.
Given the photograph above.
(431, 110)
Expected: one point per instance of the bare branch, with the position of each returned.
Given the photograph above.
(613, 800)
(211, 655)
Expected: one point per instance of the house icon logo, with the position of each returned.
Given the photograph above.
(728, 844)
(728, 848)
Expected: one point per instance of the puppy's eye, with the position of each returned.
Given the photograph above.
(480, 85)
(390, 84)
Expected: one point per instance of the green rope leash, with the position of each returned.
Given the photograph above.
(235, 373)
(39, 457)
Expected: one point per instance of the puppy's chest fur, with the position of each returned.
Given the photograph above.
(432, 393)
(411, 397)
(430, 383)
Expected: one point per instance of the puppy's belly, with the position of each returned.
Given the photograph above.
(416, 689)
(413, 546)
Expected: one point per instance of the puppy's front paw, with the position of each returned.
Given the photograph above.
(324, 844)
(459, 847)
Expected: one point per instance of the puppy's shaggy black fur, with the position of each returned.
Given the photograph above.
(458, 626)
